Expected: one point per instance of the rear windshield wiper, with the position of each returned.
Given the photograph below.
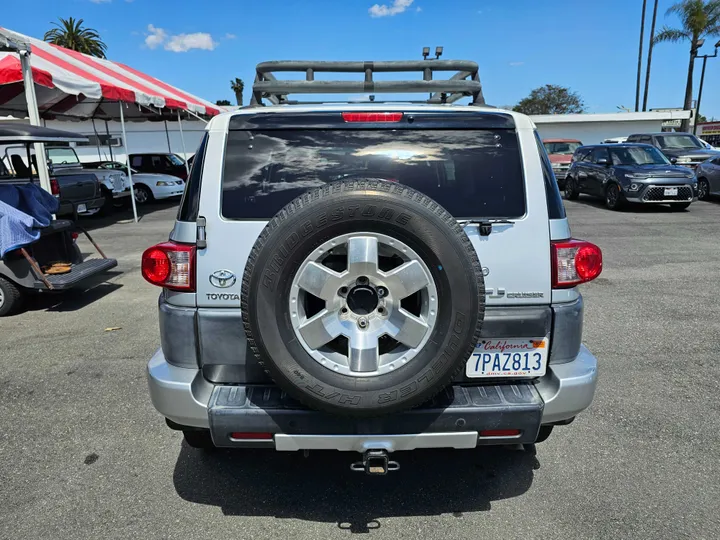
(484, 225)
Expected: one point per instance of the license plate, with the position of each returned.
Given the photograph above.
(671, 191)
(515, 357)
(82, 208)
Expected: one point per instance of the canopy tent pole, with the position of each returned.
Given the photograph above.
(167, 135)
(34, 115)
(107, 131)
(182, 140)
(97, 139)
(127, 158)
(196, 116)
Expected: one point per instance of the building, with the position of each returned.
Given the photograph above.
(595, 128)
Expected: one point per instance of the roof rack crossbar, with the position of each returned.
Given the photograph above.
(465, 82)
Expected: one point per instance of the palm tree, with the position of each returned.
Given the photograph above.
(238, 86)
(71, 34)
(699, 19)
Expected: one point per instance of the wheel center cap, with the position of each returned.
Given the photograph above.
(362, 299)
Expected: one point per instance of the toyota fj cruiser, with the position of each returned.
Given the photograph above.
(370, 277)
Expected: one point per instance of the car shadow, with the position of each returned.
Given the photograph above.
(72, 299)
(322, 488)
(627, 207)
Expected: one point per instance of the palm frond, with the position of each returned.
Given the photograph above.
(672, 35)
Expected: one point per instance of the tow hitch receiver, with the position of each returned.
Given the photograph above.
(375, 462)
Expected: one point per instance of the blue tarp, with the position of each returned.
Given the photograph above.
(24, 210)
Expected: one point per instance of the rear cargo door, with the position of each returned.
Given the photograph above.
(481, 168)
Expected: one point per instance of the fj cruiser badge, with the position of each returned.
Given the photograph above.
(222, 279)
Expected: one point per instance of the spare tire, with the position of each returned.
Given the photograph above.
(363, 298)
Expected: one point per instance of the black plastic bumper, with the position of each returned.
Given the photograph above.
(266, 409)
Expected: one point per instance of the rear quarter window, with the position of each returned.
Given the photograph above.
(473, 173)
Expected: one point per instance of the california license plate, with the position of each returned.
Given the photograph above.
(515, 357)
(82, 208)
(671, 191)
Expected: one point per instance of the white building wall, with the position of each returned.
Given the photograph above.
(141, 137)
(596, 132)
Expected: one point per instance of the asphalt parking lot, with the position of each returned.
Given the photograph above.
(84, 455)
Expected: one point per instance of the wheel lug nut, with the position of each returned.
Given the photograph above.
(382, 291)
(362, 322)
(362, 280)
(343, 291)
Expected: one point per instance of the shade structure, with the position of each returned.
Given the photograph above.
(70, 84)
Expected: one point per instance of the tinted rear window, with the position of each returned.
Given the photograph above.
(472, 173)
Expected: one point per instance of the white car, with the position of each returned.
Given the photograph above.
(150, 186)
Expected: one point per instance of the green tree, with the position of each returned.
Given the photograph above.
(238, 86)
(551, 99)
(71, 34)
(223, 102)
(699, 19)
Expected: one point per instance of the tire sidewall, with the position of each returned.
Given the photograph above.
(618, 200)
(285, 248)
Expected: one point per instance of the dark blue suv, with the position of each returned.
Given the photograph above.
(634, 173)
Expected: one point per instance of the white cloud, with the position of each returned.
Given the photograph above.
(397, 6)
(186, 42)
(418, 9)
(516, 63)
(156, 37)
(179, 42)
(230, 36)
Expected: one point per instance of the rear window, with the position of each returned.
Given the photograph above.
(472, 173)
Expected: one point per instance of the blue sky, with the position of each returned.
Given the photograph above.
(520, 44)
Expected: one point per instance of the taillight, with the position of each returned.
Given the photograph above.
(170, 265)
(574, 262)
(372, 117)
(54, 187)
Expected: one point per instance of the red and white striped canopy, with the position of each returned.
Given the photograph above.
(68, 83)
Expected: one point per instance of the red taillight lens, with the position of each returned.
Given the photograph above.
(54, 187)
(372, 117)
(575, 262)
(170, 265)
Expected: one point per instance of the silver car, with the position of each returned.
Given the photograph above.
(708, 175)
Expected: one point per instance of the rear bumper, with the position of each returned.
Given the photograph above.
(70, 207)
(185, 397)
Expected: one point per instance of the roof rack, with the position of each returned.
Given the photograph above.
(465, 82)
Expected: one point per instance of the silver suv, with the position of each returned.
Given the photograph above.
(370, 277)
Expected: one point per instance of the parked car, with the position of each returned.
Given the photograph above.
(615, 140)
(79, 192)
(682, 148)
(160, 163)
(708, 175)
(148, 187)
(560, 152)
(115, 184)
(63, 163)
(636, 173)
(305, 307)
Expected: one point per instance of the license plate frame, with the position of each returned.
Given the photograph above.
(530, 354)
(670, 192)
